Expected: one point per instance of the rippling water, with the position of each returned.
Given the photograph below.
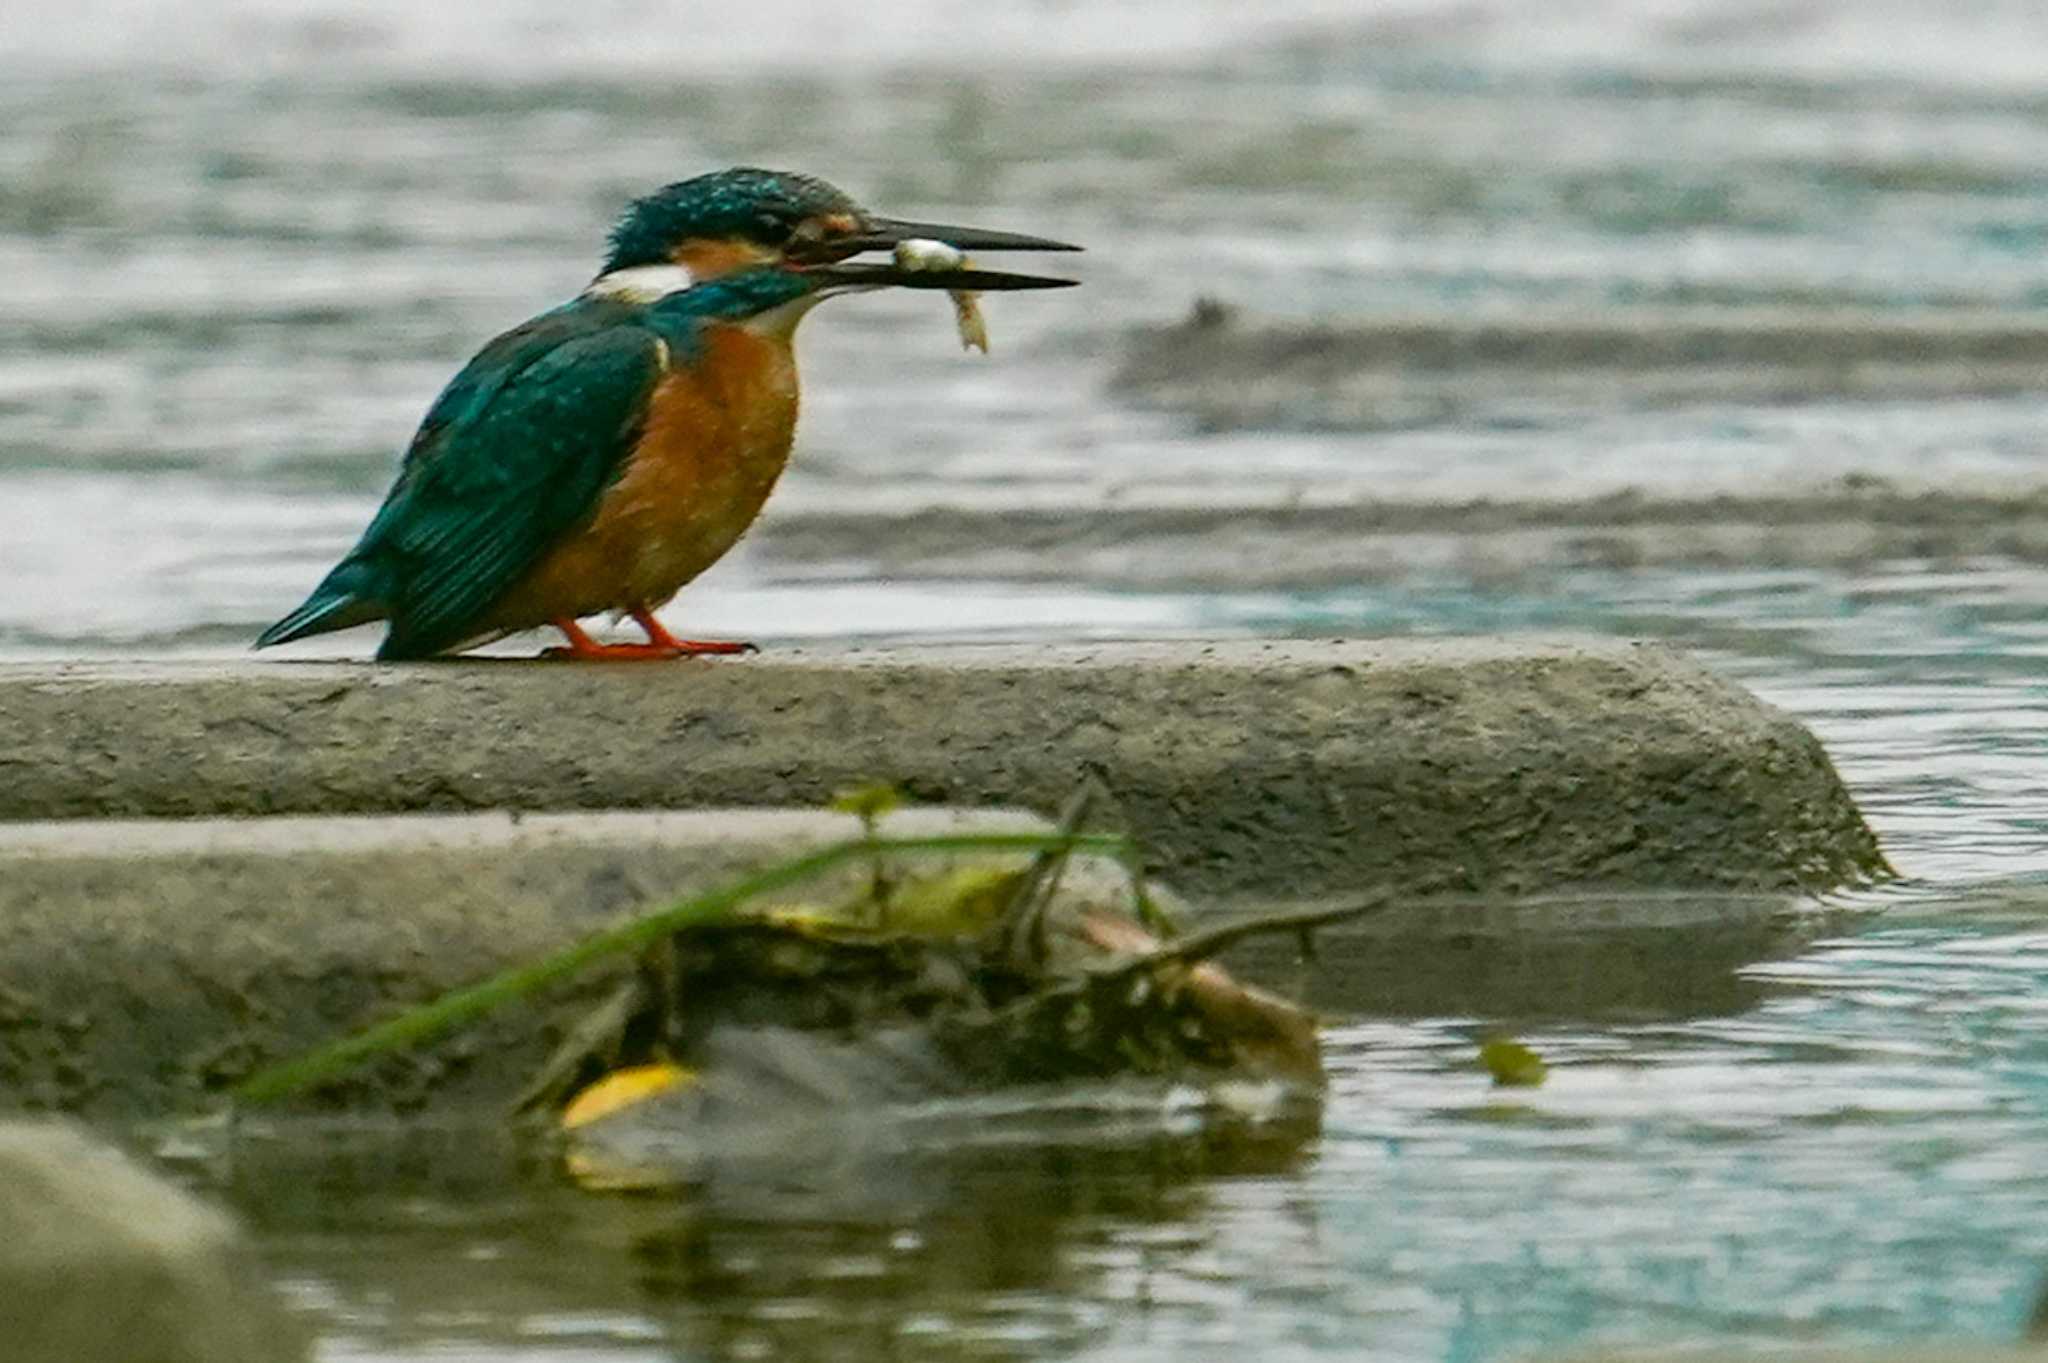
(245, 242)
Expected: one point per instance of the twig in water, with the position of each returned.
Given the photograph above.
(1032, 895)
(1197, 947)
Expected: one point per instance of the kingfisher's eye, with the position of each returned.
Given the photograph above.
(771, 225)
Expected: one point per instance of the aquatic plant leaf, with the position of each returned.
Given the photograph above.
(960, 903)
(957, 903)
(816, 919)
(1512, 1064)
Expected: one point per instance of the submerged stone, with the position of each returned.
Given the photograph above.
(102, 1261)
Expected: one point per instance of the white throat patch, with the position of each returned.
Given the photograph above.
(780, 322)
(641, 283)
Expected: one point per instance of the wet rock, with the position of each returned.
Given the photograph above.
(101, 1261)
(1288, 769)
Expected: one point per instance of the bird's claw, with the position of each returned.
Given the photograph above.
(691, 647)
(619, 653)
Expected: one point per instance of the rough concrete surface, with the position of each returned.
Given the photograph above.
(1288, 768)
(149, 965)
(102, 1261)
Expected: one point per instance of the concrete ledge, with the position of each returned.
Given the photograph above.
(149, 965)
(1294, 768)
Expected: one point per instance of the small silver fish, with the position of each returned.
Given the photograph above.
(924, 253)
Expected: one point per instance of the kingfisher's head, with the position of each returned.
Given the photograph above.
(711, 225)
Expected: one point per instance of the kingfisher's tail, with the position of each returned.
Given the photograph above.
(343, 598)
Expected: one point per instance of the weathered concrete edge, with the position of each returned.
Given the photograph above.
(1297, 768)
(147, 967)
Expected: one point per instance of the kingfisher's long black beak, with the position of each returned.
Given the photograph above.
(884, 233)
(861, 274)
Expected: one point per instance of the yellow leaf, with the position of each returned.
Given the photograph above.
(622, 1089)
(1512, 1064)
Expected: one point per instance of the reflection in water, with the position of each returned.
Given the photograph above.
(1564, 957)
(409, 1242)
(1025, 1253)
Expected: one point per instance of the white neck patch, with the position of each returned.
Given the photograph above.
(780, 322)
(641, 283)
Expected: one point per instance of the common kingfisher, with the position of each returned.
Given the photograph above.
(600, 456)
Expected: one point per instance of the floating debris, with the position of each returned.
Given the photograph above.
(959, 985)
(1512, 1064)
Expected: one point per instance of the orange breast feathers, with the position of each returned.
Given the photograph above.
(718, 434)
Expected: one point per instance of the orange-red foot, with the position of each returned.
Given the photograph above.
(659, 637)
(660, 645)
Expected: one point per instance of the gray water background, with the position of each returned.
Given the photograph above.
(243, 243)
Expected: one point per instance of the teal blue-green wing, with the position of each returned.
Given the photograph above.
(469, 395)
(485, 494)
(514, 452)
